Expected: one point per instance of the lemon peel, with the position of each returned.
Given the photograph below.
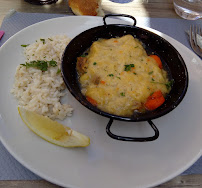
(52, 131)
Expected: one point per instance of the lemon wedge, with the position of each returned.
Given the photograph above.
(52, 131)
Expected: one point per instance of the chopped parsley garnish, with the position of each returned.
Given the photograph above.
(111, 75)
(43, 40)
(118, 77)
(135, 73)
(50, 39)
(150, 72)
(52, 63)
(128, 67)
(136, 47)
(152, 79)
(59, 71)
(84, 55)
(42, 65)
(94, 63)
(122, 94)
(168, 84)
(25, 45)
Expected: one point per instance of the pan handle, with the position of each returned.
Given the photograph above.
(123, 15)
(133, 139)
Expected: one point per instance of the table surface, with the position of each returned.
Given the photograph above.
(149, 8)
(144, 8)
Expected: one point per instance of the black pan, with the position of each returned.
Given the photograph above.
(172, 61)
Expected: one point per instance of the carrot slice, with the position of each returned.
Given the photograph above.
(102, 82)
(158, 60)
(154, 101)
(92, 101)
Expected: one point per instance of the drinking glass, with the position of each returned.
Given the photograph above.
(41, 2)
(188, 9)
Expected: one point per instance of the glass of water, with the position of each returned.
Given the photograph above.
(188, 9)
(41, 2)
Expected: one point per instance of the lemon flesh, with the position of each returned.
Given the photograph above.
(52, 131)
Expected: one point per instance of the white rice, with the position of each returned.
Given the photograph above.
(41, 91)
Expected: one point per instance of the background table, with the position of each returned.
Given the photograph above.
(149, 8)
(142, 8)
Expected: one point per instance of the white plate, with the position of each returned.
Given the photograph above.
(106, 162)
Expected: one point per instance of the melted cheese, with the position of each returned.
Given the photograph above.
(115, 88)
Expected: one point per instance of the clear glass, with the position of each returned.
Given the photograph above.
(41, 2)
(188, 9)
